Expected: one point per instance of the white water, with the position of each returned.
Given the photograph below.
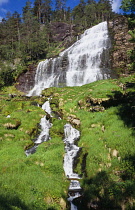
(79, 64)
(71, 135)
(45, 127)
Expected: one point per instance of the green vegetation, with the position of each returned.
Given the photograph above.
(106, 113)
(32, 182)
(28, 38)
(129, 6)
(103, 111)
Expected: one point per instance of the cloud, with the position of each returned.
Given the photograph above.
(3, 1)
(116, 5)
(3, 10)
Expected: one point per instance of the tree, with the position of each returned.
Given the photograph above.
(46, 11)
(128, 6)
(78, 14)
(91, 13)
(37, 9)
(27, 9)
(60, 10)
(104, 10)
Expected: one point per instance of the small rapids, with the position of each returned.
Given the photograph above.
(45, 126)
(74, 191)
(86, 61)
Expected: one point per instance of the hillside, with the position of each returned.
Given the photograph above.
(103, 111)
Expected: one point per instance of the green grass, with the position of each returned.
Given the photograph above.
(107, 157)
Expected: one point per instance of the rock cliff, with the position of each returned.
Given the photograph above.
(65, 33)
(59, 32)
(121, 45)
(25, 81)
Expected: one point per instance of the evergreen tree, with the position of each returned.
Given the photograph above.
(128, 6)
(60, 10)
(91, 13)
(78, 14)
(46, 11)
(104, 10)
(37, 9)
(27, 9)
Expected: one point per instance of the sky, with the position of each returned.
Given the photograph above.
(17, 5)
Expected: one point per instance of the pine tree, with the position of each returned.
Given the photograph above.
(60, 10)
(37, 9)
(46, 11)
(128, 6)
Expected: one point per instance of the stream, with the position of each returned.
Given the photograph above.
(71, 151)
(45, 127)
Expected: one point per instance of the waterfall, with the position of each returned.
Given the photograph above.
(45, 126)
(71, 135)
(84, 62)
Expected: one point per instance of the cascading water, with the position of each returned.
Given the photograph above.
(71, 135)
(84, 62)
(45, 126)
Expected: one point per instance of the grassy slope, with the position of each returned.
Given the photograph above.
(106, 163)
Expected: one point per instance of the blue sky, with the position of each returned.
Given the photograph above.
(17, 5)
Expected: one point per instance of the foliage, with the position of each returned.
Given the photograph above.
(6, 74)
(37, 182)
(106, 161)
(92, 13)
(131, 22)
(128, 6)
(28, 38)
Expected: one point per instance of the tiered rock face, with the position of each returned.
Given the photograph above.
(60, 32)
(120, 44)
(63, 32)
(25, 81)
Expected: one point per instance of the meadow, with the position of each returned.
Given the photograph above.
(105, 111)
